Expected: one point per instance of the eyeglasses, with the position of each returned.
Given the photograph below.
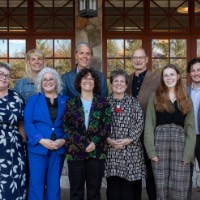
(4, 76)
(169, 75)
(138, 57)
(46, 80)
(88, 79)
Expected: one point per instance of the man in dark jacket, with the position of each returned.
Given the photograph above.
(141, 84)
(83, 55)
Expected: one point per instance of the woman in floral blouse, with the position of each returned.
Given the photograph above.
(125, 167)
(86, 121)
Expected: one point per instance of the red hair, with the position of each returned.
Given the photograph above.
(162, 102)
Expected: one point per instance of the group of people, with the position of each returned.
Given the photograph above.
(146, 128)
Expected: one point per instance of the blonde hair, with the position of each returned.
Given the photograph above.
(34, 52)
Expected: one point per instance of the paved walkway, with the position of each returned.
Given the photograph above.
(65, 194)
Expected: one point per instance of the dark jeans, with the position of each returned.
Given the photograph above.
(121, 189)
(150, 181)
(88, 171)
(197, 155)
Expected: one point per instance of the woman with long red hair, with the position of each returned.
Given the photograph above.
(169, 136)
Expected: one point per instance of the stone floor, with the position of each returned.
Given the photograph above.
(65, 194)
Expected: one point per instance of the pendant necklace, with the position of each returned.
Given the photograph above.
(118, 108)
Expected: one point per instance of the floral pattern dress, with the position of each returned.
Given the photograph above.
(12, 149)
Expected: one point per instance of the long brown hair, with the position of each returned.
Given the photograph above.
(162, 102)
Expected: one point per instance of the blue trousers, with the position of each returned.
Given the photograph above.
(45, 170)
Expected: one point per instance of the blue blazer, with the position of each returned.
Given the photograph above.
(38, 124)
(69, 80)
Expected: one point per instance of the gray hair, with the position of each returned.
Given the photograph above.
(56, 76)
(5, 65)
(83, 44)
(118, 72)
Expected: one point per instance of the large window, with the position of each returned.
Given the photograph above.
(169, 51)
(168, 30)
(57, 53)
(119, 52)
(44, 24)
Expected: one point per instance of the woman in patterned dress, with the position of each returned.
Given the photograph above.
(125, 167)
(12, 149)
(86, 121)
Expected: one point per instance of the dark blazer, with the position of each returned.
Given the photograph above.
(38, 124)
(69, 79)
(78, 137)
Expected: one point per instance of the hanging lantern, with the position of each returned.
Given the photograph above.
(88, 8)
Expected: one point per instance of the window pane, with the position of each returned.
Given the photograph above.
(158, 64)
(3, 60)
(49, 62)
(114, 64)
(17, 48)
(182, 64)
(129, 66)
(18, 68)
(115, 48)
(62, 48)
(4, 48)
(160, 48)
(131, 45)
(46, 46)
(178, 48)
(62, 65)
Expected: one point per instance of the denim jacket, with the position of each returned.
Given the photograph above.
(25, 87)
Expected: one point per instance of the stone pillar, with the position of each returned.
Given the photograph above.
(90, 30)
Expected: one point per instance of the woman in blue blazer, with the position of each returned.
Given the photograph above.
(46, 138)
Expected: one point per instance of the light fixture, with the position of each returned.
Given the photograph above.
(184, 10)
(88, 8)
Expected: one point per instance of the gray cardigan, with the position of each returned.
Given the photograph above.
(150, 125)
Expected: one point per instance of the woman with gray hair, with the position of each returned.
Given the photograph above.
(124, 168)
(46, 137)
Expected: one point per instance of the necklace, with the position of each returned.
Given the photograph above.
(118, 108)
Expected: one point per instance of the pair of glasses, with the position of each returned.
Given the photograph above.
(139, 57)
(45, 80)
(4, 76)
